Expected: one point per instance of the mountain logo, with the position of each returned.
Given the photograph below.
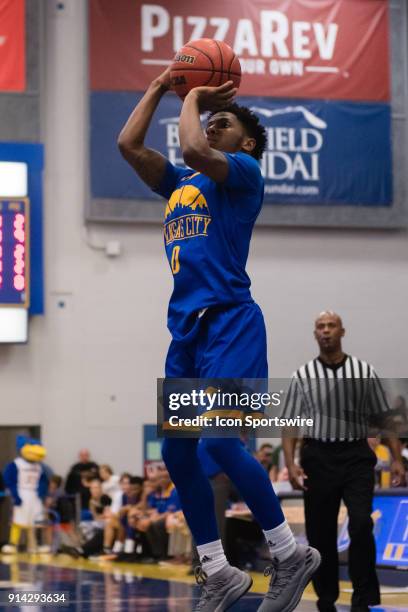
(188, 197)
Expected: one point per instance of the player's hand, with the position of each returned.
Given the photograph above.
(164, 79)
(397, 474)
(213, 98)
(297, 477)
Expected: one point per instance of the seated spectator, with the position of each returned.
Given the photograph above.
(117, 517)
(110, 481)
(119, 499)
(98, 500)
(146, 522)
(91, 528)
(264, 455)
(383, 465)
(85, 464)
(52, 505)
(399, 413)
(162, 503)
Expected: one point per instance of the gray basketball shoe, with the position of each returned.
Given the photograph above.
(289, 579)
(222, 589)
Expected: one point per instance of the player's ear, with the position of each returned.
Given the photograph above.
(248, 144)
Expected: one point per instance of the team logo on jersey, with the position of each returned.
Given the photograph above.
(187, 214)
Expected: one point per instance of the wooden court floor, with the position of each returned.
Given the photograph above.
(120, 587)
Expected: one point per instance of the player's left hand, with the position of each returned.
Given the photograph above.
(397, 474)
(213, 98)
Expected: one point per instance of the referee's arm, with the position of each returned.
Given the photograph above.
(290, 435)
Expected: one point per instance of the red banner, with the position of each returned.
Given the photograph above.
(12, 45)
(330, 49)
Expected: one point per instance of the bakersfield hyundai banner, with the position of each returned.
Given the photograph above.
(331, 49)
(316, 74)
(12, 45)
(306, 140)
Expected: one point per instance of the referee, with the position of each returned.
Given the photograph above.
(342, 394)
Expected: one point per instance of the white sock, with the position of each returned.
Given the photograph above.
(281, 541)
(117, 547)
(129, 546)
(212, 557)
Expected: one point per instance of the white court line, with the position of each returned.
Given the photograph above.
(156, 62)
(321, 69)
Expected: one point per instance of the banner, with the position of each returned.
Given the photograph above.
(318, 152)
(336, 49)
(12, 45)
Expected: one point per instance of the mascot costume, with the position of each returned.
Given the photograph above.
(27, 482)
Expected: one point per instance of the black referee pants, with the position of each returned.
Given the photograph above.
(336, 471)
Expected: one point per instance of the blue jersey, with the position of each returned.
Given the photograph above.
(207, 231)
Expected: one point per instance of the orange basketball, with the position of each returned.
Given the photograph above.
(204, 62)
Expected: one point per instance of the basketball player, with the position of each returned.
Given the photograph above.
(218, 331)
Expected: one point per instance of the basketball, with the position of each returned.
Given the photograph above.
(204, 62)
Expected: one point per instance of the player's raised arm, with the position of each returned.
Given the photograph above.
(197, 152)
(150, 165)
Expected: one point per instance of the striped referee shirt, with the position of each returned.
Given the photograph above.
(342, 399)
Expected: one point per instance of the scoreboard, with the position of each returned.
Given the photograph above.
(14, 252)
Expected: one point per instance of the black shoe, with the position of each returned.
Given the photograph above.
(73, 551)
(360, 609)
(326, 608)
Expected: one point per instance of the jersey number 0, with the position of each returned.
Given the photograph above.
(175, 262)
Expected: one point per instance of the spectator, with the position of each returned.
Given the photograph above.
(384, 461)
(119, 499)
(159, 504)
(116, 525)
(92, 527)
(98, 500)
(52, 504)
(73, 481)
(55, 492)
(264, 455)
(400, 415)
(110, 481)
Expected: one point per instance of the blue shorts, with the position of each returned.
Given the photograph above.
(225, 359)
(230, 342)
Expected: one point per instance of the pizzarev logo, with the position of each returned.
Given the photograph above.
(295, 138)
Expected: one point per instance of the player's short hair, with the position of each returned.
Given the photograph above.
(252, 125)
